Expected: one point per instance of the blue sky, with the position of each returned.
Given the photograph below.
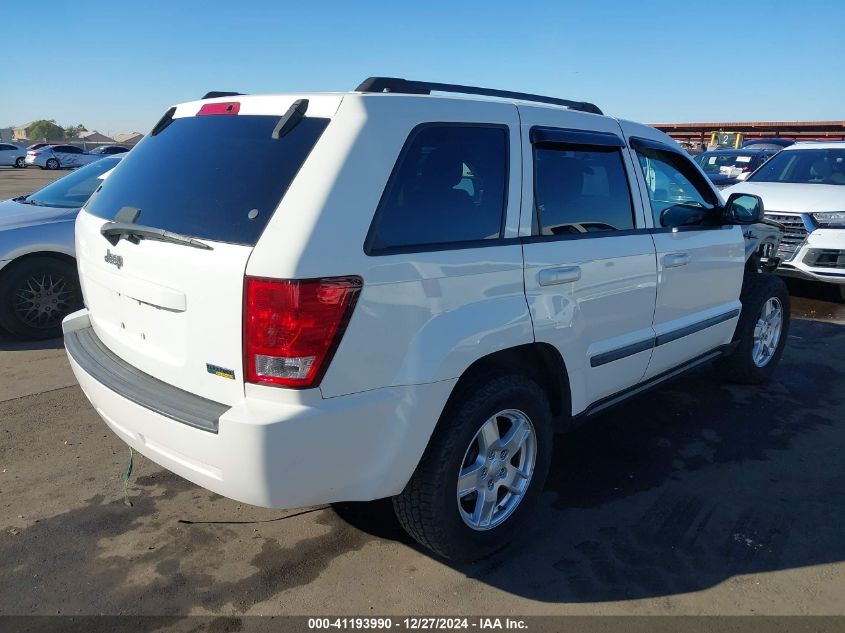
(116, 66)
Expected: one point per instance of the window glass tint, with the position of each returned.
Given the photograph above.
(204, 176)
(581, 191)
(675, 199)
(448, 186)
(806, 166)
(74, 189)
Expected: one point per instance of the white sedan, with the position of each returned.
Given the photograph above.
(12, 155)
(60, 156)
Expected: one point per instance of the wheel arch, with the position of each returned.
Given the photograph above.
(540, 361)
(21, 259)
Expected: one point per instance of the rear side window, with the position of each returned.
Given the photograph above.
(581, 190)
(218, 178)
(449, 186)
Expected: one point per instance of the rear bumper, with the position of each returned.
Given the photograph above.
(282, 454)
(815, 257)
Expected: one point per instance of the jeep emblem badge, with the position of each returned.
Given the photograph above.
(111, 258)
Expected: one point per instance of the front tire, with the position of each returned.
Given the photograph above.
(52, 163)
(761, 332)
(483, 469)
(20, 162)
(36, 294)
(842, 293)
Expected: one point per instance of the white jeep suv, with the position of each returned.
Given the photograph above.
(803, 188)
(388, 293)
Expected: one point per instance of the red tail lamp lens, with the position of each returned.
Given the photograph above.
(293, 327)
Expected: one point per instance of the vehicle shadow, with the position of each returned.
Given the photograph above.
(10, 344)
(684, 487)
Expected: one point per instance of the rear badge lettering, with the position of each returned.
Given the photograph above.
(220, 371)
(111, 258)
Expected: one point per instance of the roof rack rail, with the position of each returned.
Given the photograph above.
(408, 86)
(220, 93)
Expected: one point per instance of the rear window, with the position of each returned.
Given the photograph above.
(218, 178)
(713, 163)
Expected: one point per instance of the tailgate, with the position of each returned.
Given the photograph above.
(165, 306)
(170, 310)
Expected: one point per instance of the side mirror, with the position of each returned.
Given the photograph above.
(743, 208)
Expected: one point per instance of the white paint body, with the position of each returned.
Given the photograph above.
(421, 319)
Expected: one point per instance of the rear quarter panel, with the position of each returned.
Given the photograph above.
(421, 317)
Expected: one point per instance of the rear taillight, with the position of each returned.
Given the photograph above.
(293, 327)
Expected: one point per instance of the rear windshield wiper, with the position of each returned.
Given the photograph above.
(113, 231)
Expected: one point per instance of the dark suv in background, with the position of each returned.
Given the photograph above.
(726, 167)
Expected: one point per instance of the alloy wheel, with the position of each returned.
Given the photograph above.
(43, 299)
(767, 332)
(497, 469)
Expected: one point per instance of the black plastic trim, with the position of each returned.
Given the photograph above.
(372, 251)
(635, 348)
(563, 237)
(409, 86)
(221, 93)
(623, 352)
(444, 246)
(625, 394)
(541, 135)
(674, 335)
(89, 352)
(639, 141)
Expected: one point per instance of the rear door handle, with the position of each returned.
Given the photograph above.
(673, 260)
(559, 275)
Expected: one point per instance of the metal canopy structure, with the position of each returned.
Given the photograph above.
(806, 130)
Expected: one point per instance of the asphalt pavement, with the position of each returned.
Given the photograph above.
(698, 498)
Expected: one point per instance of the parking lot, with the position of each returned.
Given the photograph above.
(699, 498)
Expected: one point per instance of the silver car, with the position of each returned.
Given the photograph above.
(60, 157)
(39, 285)
(12, 155)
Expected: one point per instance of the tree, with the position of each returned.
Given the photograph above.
(45, 129)
(74, 130)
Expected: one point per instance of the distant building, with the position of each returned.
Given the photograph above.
(94, 137)
(128, 138)
(20, 133)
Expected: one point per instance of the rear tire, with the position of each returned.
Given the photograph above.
(761, 331)
(842, 293)
(53, 163)
(462, 501)
(36, 294)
